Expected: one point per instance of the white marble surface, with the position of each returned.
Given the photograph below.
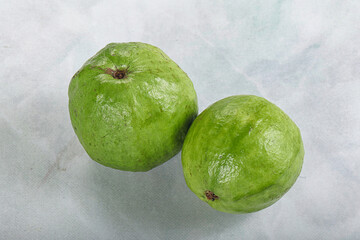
(303, 55)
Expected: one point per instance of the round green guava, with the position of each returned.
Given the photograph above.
(242, 154)
(131, 106)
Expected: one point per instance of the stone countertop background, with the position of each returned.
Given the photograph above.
(302, 55)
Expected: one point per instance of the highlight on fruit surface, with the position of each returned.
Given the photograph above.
(131, 106)
(242, 154)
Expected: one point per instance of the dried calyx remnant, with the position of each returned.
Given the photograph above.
(210, 195)
(117, 74)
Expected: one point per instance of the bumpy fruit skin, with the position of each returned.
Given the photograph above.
(242, 154)
(135, 120)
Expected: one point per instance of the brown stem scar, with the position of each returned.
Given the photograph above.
(210, 195)
(117, 74)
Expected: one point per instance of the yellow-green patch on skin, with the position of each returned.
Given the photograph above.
(131, 106)
(243, 150)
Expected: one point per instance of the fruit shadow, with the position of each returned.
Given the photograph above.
(160, 201)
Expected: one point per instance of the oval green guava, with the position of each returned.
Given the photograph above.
(131, 106)
(242, 154)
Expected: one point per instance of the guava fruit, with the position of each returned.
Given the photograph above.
(131, 106)
(242, 154)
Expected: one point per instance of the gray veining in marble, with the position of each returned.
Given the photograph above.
(303, 55)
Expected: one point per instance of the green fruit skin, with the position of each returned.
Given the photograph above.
(245, 150)
(138, 122)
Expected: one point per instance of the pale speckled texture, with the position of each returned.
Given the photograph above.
(302, 55)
